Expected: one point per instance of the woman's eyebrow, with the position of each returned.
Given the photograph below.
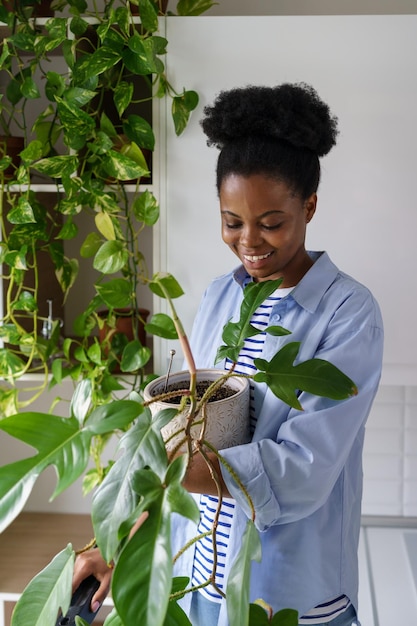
(273, 212)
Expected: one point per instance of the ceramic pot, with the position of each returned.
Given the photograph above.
(227, 419)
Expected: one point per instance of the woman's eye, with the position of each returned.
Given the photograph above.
(271, 226)
(232, 226)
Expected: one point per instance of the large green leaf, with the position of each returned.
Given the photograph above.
(60, 442)
(115, 500)
(47, 592)
(315, 376)
(237, 591)
(115, 293)
(143, 596)
(146, 208)
(111, 257)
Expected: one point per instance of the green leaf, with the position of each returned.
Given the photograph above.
(194, 7)
(122, 167)
(143, 597)
(140, 57)
(30, 89)
(81, 400)
(105, 225)
(59, 442)
(11, 365)
(115, 293)
(122, 97)
(115, 500)
(102, 59)
(137, 129)
(55, 85)
(146, 208)
(285, 617)
(32, 151)
(90, 246)
(68, 231)
(67, 273)
(162, 325)
(181, 109)
(134, 357)
(111, 257)
(238, 582)
(235, 333)
(315, 376)
(162, 283)
(26, 302)
(22, 213)
(47, 592)
(57, 166)
(148, 16)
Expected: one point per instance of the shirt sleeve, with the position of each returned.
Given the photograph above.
(290, 475)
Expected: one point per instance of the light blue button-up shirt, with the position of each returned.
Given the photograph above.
(303, 469)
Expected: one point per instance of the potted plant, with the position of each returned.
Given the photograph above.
(85, 159)
(146, 479)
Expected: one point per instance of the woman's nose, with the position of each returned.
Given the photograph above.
(250, 236)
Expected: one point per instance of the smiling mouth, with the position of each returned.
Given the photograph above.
(255, 258)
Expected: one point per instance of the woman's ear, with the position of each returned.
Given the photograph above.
(310, 205)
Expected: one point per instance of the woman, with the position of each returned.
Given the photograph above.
(302, 469)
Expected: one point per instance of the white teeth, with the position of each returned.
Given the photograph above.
(256, 258)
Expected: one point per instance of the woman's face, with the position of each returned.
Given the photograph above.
(264, 224)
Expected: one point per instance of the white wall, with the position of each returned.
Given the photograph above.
(313, 7)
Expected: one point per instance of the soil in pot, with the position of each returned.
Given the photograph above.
(220, 393)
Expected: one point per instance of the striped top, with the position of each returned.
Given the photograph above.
(204, 555)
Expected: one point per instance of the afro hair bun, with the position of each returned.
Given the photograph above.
(288, 112)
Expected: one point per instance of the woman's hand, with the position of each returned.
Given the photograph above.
(92, 563)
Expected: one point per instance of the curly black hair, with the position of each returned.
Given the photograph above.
(277, 131)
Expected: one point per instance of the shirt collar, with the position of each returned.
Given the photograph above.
(311, 287)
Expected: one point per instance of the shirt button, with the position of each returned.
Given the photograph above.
(275, 318)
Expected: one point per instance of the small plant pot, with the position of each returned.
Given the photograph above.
(227, 418)
(126, 322)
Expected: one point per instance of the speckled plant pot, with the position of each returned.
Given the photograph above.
(227, 419)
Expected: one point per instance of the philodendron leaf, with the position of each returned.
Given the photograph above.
(142, 445)
(49, 591)
(235, 333)
(143, 596)
(237, 591)
(60, 442)
(315, 376)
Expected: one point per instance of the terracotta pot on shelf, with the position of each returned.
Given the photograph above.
(227, 418)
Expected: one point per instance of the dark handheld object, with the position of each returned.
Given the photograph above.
(80, 603)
